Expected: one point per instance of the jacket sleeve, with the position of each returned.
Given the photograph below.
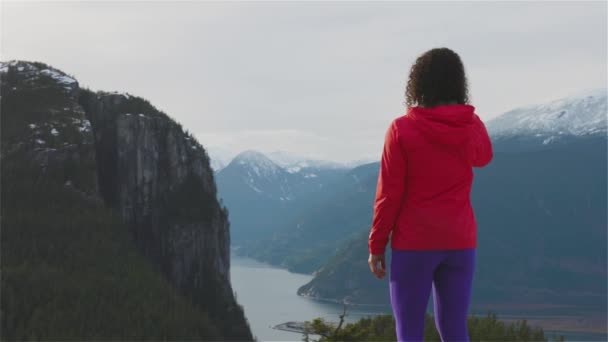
(480, 147)
(389, 192)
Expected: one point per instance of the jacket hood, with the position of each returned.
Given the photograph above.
(446, 124)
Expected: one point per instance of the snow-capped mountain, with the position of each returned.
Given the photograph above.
(294, 163)
(579, 115)
(260, 175)
(257, 190)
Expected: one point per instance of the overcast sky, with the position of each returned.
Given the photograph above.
(316, 79)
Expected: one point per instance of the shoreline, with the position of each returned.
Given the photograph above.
(549, 323)
(335, 301)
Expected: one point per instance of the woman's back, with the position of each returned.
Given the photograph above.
(436, 144)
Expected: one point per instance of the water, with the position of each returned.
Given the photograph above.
(268, 296)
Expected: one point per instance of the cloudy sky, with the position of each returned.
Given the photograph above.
(316, 79)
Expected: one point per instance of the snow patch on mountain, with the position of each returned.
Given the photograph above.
(83, 125)
(58, 76)
(5, 65)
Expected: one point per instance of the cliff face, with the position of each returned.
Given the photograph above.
(145, 162)
(142, 164)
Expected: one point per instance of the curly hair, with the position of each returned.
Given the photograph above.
(437, 77)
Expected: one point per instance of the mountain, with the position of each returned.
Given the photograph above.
(113, 229)
(261, 195)
(252, 187)
(542, 220)
(327, 219)
(542, 126)
(262, 175)
(294, 163)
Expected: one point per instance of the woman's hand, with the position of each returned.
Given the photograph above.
(378, 270)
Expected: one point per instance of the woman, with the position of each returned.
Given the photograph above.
(423, 199)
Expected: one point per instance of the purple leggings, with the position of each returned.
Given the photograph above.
(449, 273)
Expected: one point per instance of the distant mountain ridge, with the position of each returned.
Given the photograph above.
(294, 163)
(291, 162)
(542, 124)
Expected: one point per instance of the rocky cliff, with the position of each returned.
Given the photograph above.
(120, 150)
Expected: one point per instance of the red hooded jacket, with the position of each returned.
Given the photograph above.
(424, 184)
